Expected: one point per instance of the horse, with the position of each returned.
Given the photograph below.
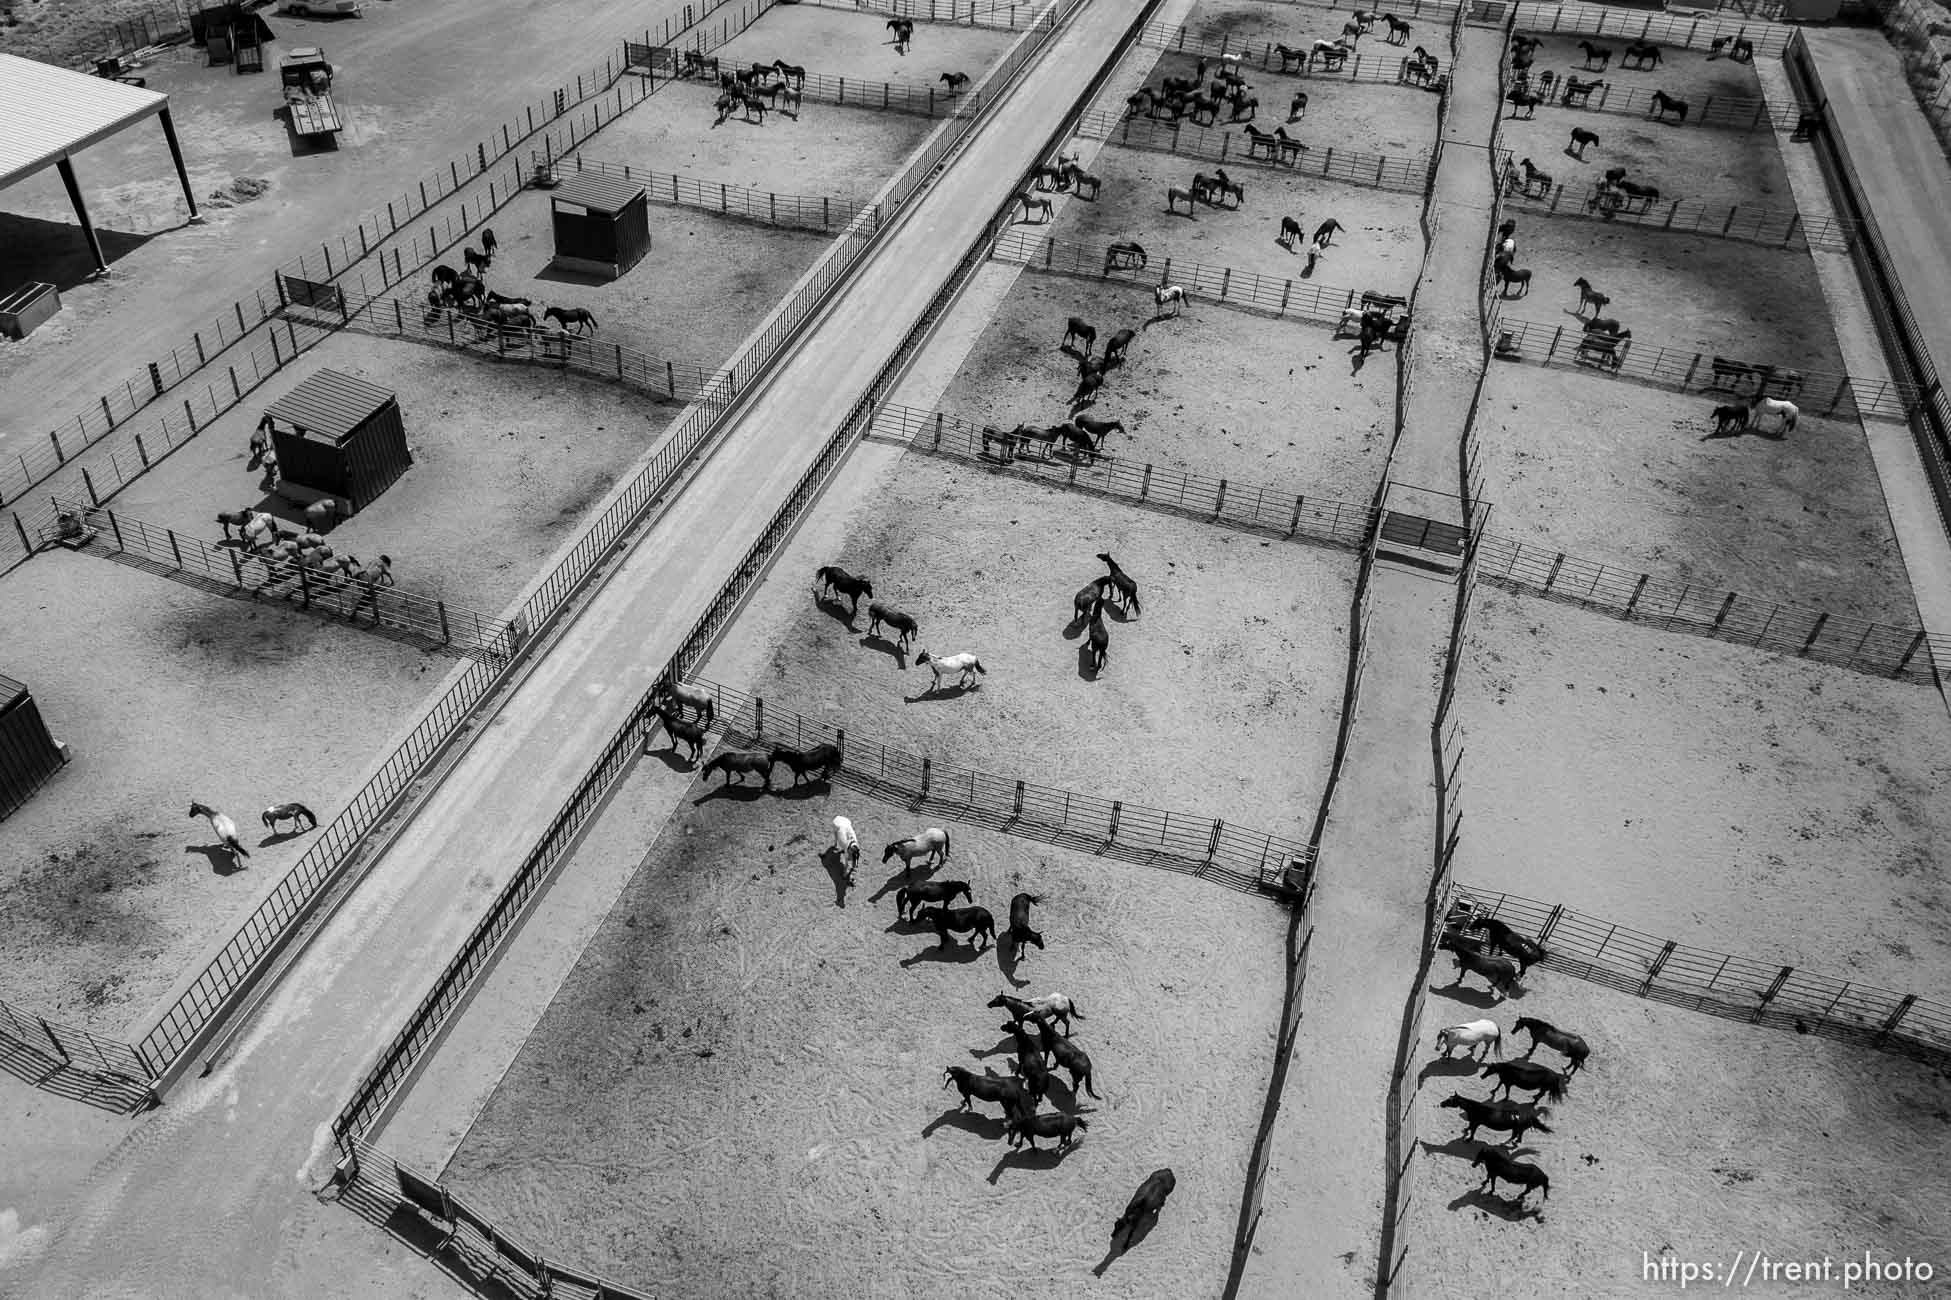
(725, 103)
(1730, 419)
(1296, 107)
(1478, 1033)
(1581, 138)
(1600, 349)
(986, 1086)
(1290, 232)
(966, 665)
(1100, 643)
(1528, 1075)
(684, 695)
(1352, 31)
(1331, 53)
(1046, 438)
(1521, 948)
(1244, 106)
(1066, 1055)
(740, 762)
(1019, 932)
(1601, 55)
(222, 827)
(904, 30)
(1607, 325)
(933, 843)
(1053, 1006)
(1079, 179)
(1535, 177)
(1288, 55)
(904, 625)
(1032, 203)
(821, 758)
(572, 318)
(909, 898)
(1542, 1033)
(1145, 1203)
(1640, 55)
(1172, 294)
(1115, 348)
(1287, 145)
(1511, 1117)
(1175, 195)
(752, 104)
(1520, 99)
(1496, 1164)
(790, 72)
(1579, 90)
(832, 578)
(1077, 441)
(1022, 1128)
(1508, 275)
(1664, 103)
(678, 729)
(1647, 195)
(973, 921)
(1743, 51)
(1256, 139)
(321, 514)
(290, 812)
(1098, 429)
(235, 519)
(1497, 972)
(1227, 185)
(1076, 328)
(1125, 256)
(1090, 381)
(1763, 408)
(955, 81)
(1398, 30)
(476, 262)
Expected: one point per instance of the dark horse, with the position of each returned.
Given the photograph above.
(821, 758)
(1146, 1202)
(972, 921)
(1509, 1116)
(904, 625)
(679, 728)
(986, 1086)
(1523, 949)
(741, 761)
(1532, 1077)
(1122, 582)
(832, 578)
(1019, 932)
(1557, 1039)
(1497, 972)
(572, 318)
(1498, 1164)
(909, 898)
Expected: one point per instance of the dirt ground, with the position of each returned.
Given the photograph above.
(1689, 1137)
(1365, 117)
(1197, 393)
(1259, 22)
(166, 695)
(1380, 246)
(1725, 798)
(834, 43)
(734, 1050)
(1800, 520)
(1203, 669)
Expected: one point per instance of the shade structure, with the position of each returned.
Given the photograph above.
(28, 754)
(339, 436)
(602, 225)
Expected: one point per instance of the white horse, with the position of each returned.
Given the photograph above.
(1473, 1035)
(967, 665)
(1761, 409)
(932, 842)
(222, 827)
(1170, 293)
(1054, 1006)
(846, 844)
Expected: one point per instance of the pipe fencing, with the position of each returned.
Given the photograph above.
(1008, 17)
(1349, 166)
(45, 1053)
(1265, 56)
(1718, 112)
(820, 212)
(1688, 32)
(1777, 227)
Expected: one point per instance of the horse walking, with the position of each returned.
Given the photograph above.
(223, 828)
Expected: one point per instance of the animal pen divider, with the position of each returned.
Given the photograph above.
(1775, 227)
(959, 13)
(1374, 171)
(1689, 33)
(1383, 70)
(792, 211)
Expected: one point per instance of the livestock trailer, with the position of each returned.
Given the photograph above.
(602, 225)
(340, 437)
(29, 756)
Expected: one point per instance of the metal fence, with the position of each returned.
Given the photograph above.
(1908, 654)
(1379, 68)
(156, 25)
(1740, 988)
(1816, 392)
(1780, 227)
(796, 211)
(1692, 32)
(111, 1070)
(420, 619)
(1377, 171)
(972, 13)
(1725, 112)
(1302, 299)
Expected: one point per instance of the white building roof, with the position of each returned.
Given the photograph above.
(47, 113)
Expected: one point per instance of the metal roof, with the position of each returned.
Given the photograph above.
(47, 113)
(598, 193)
(10, 690)
(330, 403)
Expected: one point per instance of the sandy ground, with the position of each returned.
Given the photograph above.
(110, 889)
(734, 1050)
(1363, 116)
(1315, 428)
(1725, 798)
(1689, 1137)
(1800, 520)
(1259, 22)
(833, 43)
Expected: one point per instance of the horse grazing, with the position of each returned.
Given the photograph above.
(832, 578)
(1114, 351)
(966, 665)
(1641, 55)
(1521, 948)
(1125, 585)
(1145, 1203)
(1087, 386)
(740, 763)
(1597, 57)
(1290, 231)
(1126, 256)
(1076, 328)
(1171, 295)
(1761, 409)
(222, 827)
(820, 758)
(695, 698)
(1324, 234)
(1496, 971)
(1506, 1116)
(678, 728)
(1478, 1033)
(1529, 1075)
(904, 625)
(1730, 419)
(572, 318)
(1085, 603)
(972, 921)
(986, 1086)
(1497, 1164)
(1028, 1128)
(1664, 103)
(1543, 1033)
(1398, 30)
(288, 812)
(1019, 932)
(846, 844)
(955, 81)
(933, 843)
(908, 899)
(1100, 644)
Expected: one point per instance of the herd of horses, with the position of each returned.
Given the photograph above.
(508, 315)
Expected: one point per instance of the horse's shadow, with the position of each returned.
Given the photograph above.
(1742, 431)
(222, 861)
(969, 1121)
(892, 649)
(837, 871)
(1358, 358)
(1008, 958)
(1026, 1157)
(1075, 628)
(1466, 1148)
(901, 880)
(1454, 1067)
(842, 614)
(1156, 317)
(1481, 998)
(669, 757)
(1084, 672)
(732, 790)
(956, 954)
(279, 837)
(938, 694)
(813, 789)
(1006, 1046)
(1491, 1203)
(1139, 1231)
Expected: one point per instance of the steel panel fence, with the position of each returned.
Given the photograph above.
(1779, 227)
(1695, 32)
(1263, 56)
(1408, 174)
(799, 211)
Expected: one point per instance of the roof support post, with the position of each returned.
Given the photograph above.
(81, 213)
(176, 156)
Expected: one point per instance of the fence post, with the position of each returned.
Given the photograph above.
(1117, 814)
(108, 412)
(1551, 922)
(938, 431)
(1294, 524)
(440, 605)
(174, 549)
(1145, 484)
(1219, 501)
(1726, 605)
(1639, 589)
(758, 714)
(927, 773)
(1904, 662)
(1903, 1009)
(1552, 351)
(1552, 577)
(1781, 978)
(1212, 845)
(1653, 972)
(1016, 809)
(1814, 632)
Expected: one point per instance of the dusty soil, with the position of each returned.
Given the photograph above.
(1197, 394)
(1204, 669)
(1685, 1136)
(1256, 23)
(834, 43)
(1365, 117)
(107, 888)
(1725, 798)
(1800, 520)
(734, 1050)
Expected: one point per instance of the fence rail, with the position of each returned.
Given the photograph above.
(1816, 392)
(1380, 68)
(799, 211)
(1719, 983)
(1692, 33)
(1722, 112)
(1009, 17)
(55, 1047)
(1377, 171)
(1781, 227)
(1908, 654)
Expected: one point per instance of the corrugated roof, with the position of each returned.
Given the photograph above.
(598, 193)
(10, 690)
(330, 403)
(47, 113)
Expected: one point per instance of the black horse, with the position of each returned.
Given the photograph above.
(1063, 1128)
(820, 758)
(1571, 1045)
(1067, 1055)
(1019, 932)
(1100, 650)
(832, 578)
(1122, 582)
(740, 762)
(904, 625)
(1498, 1164)
(679, 728)
(1499, 973)
(1525, 950)
(1145, 1203)
(1529, 1075)
(909, 898)
(986, 1086)
(972, 921)
(1505, 1116)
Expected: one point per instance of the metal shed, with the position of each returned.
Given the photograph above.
(340, 437)
(602, 225)
(28, 755)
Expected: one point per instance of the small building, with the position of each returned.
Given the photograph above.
(340, 437)
(29, 756)
(602, 225)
